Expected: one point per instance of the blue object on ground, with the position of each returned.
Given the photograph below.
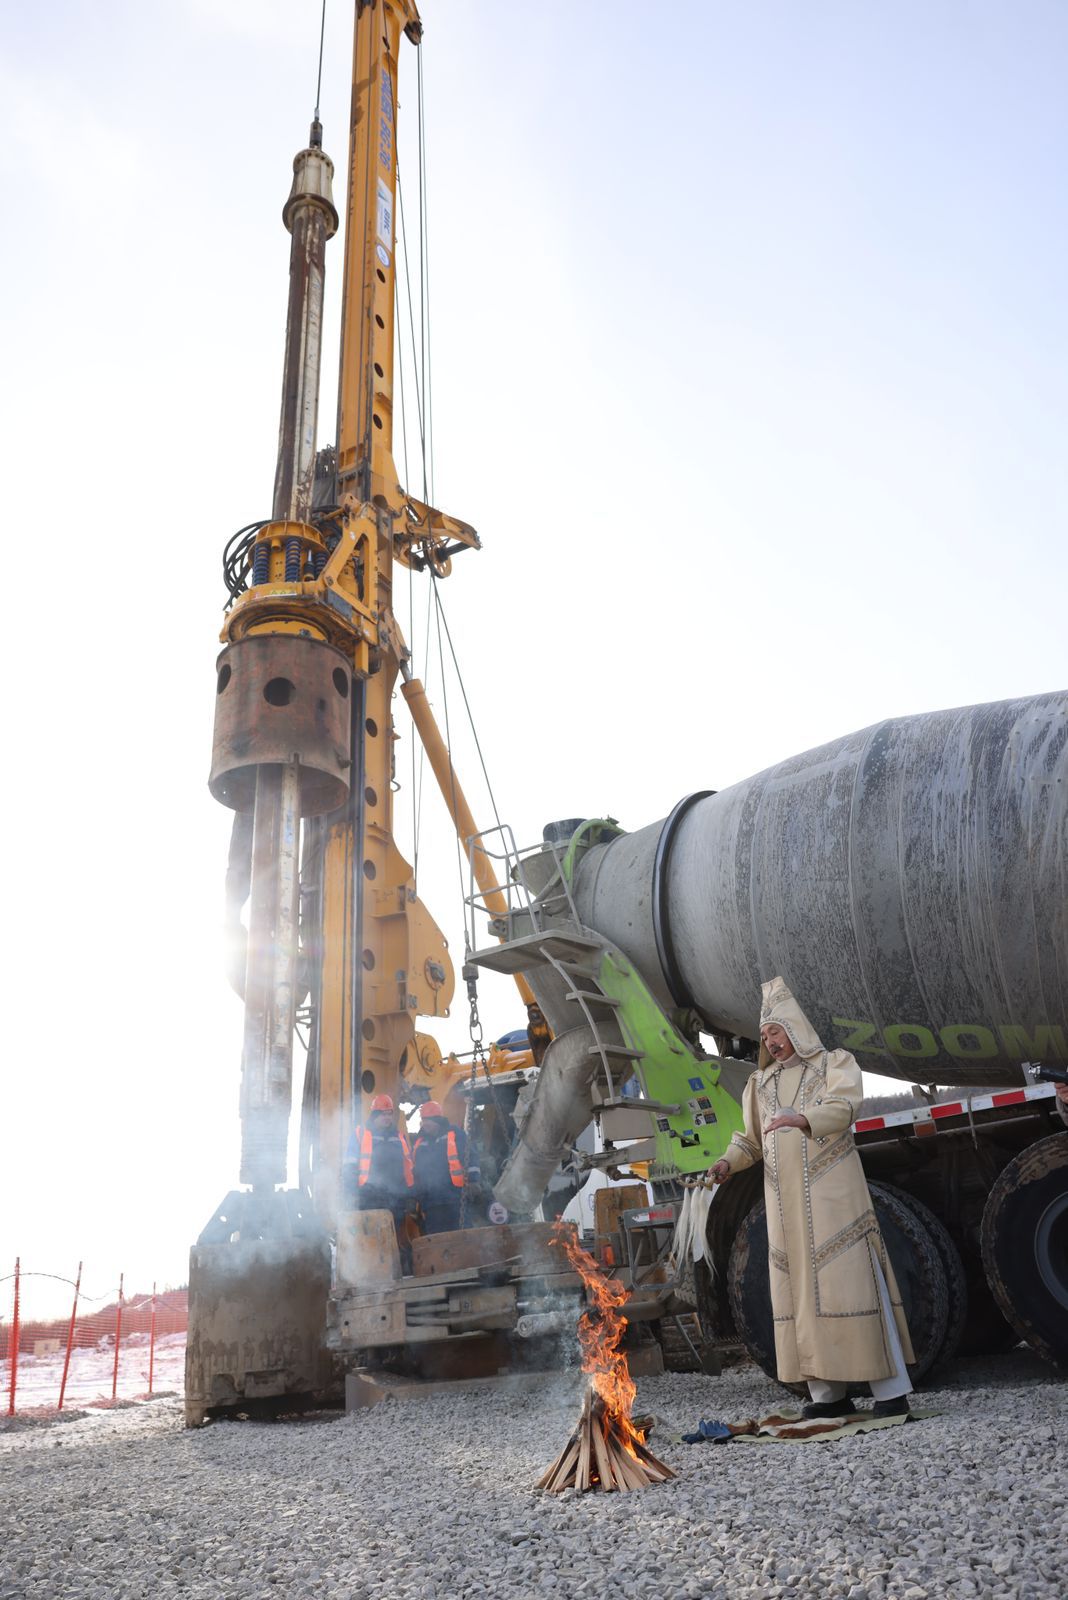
(707, 1429)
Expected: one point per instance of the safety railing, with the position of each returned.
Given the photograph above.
(523, 903)
(105, 1349)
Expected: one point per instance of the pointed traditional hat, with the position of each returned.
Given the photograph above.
(777, 1004)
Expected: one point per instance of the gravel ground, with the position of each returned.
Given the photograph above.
(434, 1501)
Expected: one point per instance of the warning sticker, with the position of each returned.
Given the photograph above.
(384, 228)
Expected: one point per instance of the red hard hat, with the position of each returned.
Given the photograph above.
(432, 1109)
(382, 1102)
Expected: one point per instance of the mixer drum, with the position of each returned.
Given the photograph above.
(908, 881)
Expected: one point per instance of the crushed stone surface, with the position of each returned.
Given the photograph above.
(433, 1501)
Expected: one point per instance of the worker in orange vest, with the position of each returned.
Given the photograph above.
(440, 1160)
(377, 1173)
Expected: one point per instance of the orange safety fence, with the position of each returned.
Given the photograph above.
(105, 1348)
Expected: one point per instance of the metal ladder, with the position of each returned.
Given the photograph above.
(583, 989)
(575, 957)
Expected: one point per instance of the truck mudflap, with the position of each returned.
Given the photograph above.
(1025, 1245)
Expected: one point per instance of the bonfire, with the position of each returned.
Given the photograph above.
(606, 1451)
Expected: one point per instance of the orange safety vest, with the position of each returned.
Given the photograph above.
(456, 1171)
(366, 1143)
(456, 1167)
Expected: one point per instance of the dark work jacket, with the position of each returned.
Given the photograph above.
(430, 1156)
(387, 1172)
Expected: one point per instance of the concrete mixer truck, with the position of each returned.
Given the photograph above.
(910, 883)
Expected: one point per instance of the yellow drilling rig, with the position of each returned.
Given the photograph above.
(304, 755)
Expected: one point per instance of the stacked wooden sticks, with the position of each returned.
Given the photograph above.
(603, 1453)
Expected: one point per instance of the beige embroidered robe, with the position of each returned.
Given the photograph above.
(824, 1241)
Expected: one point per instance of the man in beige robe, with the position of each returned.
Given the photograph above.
(839, 1320)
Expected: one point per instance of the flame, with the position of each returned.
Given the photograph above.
(600, 1331)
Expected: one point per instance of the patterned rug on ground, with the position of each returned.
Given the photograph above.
(789, 1427)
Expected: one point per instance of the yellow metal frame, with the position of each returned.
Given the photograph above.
(402, 959)
(383, 960)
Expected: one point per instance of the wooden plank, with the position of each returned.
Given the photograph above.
(626, 1466)
(501, 1248)
(565, 1468)
(608, 1204)
(653, 1463)
(582, 1471)
(582, 1475)
(622, 1482)
(367, 1250)
(600, 1451)
(550, 1472)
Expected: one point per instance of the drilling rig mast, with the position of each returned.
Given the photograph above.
(303, 754)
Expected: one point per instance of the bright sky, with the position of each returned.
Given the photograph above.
(750, 356)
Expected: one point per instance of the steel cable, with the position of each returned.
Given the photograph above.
(448, 748)
(319, 77)
(467, 703)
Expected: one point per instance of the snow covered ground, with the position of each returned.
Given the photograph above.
(90, 1377)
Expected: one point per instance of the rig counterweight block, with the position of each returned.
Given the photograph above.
(279, 698)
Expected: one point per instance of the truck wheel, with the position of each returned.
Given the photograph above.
(1025, 1245)
(949, 1255)
(917, 1266)
(749, 1289)
(920, 1275)
(725, 1221)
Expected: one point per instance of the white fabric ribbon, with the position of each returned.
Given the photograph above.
(691, 1227)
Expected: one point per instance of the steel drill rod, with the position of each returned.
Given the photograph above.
(270, 976)
(311, 219)
(300, 398)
